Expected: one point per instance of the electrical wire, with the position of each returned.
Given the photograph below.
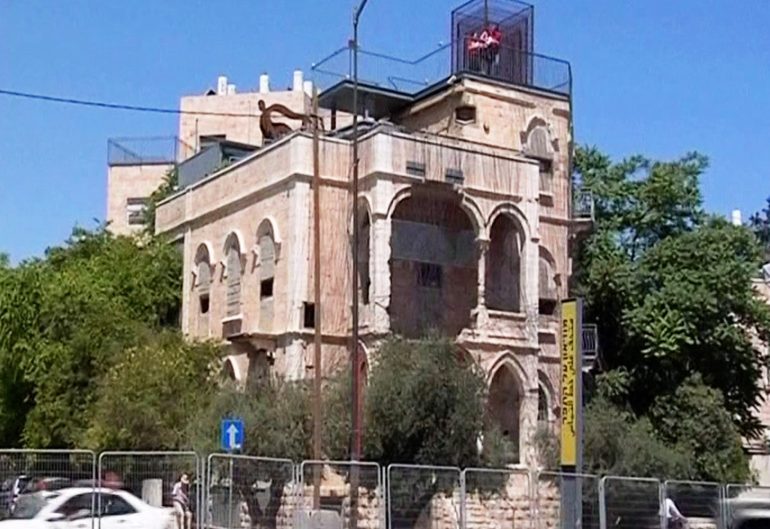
(119, 106)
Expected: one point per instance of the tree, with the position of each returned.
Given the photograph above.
(156, 388)
(669, 286)
(278, 424)
(67, 317)
(760, 224)
(168, 187)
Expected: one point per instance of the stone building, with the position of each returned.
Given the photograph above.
(465, 211)
(760, 449)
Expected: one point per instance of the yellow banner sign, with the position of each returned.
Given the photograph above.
(569, 382)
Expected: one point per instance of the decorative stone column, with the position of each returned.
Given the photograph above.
(380, 272)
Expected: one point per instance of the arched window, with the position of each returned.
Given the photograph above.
(542, 405)
(505, 405)
(203, 278)
(266, 242)
(537, 145)
(364, 243)
(233, 271)
(503, 270)
(433, 266)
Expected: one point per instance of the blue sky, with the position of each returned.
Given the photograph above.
(656, 77)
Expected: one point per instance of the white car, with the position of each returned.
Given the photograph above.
(74, 508)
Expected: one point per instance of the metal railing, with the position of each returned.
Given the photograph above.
(155, 150)
(413, 76)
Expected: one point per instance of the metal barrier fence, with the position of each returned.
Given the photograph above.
(231, 491)
(26, 471)
(700, 502)
(150, 476)
(340, 494)
(423, 496)
(503, 497)
(628, 502)
(244, 491)
(741, 500)
(548, 495)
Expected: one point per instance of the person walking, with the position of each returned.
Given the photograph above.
(674, 518)
(181, 497)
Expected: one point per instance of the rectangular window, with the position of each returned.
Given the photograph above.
(266, 288)
(546, 176)
(204, 304)
(135, 210)
(429, 275)
(308, 315)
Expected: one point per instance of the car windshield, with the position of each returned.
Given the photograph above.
(28, 506)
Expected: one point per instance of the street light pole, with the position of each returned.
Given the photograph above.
(355, 448)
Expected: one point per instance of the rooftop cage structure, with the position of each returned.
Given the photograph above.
(492, 39)
(156, 150)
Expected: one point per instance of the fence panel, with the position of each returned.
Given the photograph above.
(340, 494)
(699, 502)
(741, 501)
(548, 495)
(244, 491)
(629, 503)
(150, 477)
(423, 497)
(26, 471)
(497, 498)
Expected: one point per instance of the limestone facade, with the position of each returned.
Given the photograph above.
(465, 224)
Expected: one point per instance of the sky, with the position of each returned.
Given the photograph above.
(657, 77)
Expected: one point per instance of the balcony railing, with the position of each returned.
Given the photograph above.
(582, 204)
(156, 150)
(413, 76)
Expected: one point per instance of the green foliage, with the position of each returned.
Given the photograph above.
(695, 419)
(617, 443)
(425, 405)
(276, 416)
(66, 318)
(760, 224)
(154, 388)
(167, 188)
(670, 287)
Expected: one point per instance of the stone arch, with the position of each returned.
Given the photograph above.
(467, 204)
(505, 267)
(513, 211)
(538, 143)
(233, 272)
(506, 398)
(232, 369)
(548, 282)
(545, 399)
(434, 263)
(268, 225)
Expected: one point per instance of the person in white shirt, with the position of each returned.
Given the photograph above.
(674, 518)
(180, 495)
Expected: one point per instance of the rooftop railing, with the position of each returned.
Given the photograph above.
(506, 64)
(156, 150)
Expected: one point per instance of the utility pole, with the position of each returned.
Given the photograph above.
(356, 434)
(355, 448)
(317, 360)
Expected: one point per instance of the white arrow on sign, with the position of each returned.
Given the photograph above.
(232, 431)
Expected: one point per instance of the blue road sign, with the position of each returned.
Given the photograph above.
(231, 434)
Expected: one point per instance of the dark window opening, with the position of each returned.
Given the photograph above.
(204, 304)
(547, 307)
(465, 114)
(266, 288)
(308, 315)
(546, 175)
(429, 275)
